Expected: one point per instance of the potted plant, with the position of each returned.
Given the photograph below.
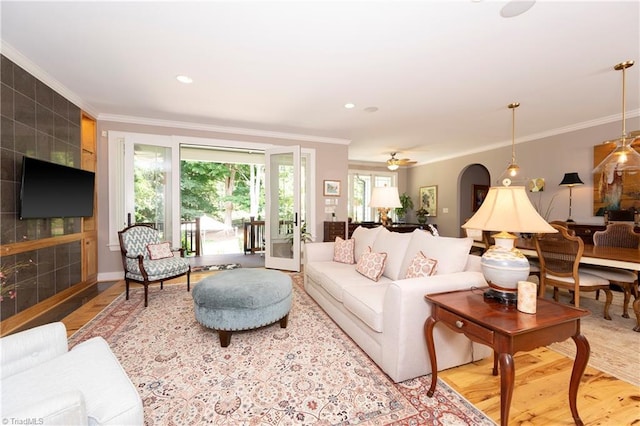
(407, 204)
(422, 215)
(305, 236)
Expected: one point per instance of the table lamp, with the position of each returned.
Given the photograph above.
(571, 179)
(506, 209)
(384, 198)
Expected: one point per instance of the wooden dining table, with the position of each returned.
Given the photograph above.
(614, 257)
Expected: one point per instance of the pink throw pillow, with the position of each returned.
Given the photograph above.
(343, 251)
(159, 251)
(371, 264)
(421, 266)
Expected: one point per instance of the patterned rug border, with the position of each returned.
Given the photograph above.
(220, 267)
(414, 391)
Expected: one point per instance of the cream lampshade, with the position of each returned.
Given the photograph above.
(506, 209)
(384, 198)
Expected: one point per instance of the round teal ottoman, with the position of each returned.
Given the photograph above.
(242, 299)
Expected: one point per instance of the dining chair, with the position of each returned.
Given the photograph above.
(559, 254)
(147, 260)
(618, 234)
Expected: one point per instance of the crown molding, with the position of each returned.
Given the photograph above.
(220, 129)
(22, 61)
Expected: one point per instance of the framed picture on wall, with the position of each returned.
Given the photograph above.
(478, 195)
(331, 188)
(429, 199)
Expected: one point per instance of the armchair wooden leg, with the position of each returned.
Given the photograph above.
(636, 310)
(161, 284)
(127, 287)
(146, 295)
(189, 280)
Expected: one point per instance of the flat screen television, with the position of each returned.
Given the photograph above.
(52, 190)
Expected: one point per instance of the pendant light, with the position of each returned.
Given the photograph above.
(513, 168)
(512, 173)
(624, 158)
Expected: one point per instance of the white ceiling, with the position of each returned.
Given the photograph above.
(440, 73)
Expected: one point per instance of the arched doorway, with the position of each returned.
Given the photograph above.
(473, 179)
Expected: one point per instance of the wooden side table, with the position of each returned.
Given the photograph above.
(507, 331)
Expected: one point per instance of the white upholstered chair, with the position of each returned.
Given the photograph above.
(43, 380)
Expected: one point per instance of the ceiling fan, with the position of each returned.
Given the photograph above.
(393, 163)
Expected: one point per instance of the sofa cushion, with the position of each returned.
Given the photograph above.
(366, 302)
(451, 253)
(334, 277)
(364, 238)
(395, 245)
(343, 251)
(421, 266)
(371, 264)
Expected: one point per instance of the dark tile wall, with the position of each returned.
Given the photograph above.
(37, 122)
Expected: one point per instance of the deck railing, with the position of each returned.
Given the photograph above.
(253, 235)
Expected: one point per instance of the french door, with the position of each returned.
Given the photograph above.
(151, 175)
(283, 218)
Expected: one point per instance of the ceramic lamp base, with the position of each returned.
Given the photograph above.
(503, 266)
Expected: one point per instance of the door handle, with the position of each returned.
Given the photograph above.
(295, 219)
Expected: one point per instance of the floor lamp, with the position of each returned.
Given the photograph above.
(571, 179)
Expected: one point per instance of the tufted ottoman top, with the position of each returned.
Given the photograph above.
(249, 288)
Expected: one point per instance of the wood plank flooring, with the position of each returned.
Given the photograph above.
(542, 382)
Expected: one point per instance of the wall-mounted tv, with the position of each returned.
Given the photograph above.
(51, 190)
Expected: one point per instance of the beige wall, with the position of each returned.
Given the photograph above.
(331, 164)
(549, 158)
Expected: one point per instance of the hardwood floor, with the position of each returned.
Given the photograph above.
(542, 382)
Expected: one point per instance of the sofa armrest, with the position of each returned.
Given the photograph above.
(318, 252)
(403, 336)
(23, 350)
(66, 408)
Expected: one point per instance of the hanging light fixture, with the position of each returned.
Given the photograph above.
(624, 158)
(513, 168)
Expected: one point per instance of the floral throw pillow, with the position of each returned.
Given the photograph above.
(421, 266)
(343, 250)
(371, 264)
(159, 251)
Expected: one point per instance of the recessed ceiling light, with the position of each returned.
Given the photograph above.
(516, 7)
(371, 109)
(349, 105)
(184, 79)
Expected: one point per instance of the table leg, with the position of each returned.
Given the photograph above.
(495, 363)
(579, 365)
(428, 335)
(507, 376)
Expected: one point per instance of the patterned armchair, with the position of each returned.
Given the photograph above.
(147, 260)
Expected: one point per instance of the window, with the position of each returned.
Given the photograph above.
(361, 183)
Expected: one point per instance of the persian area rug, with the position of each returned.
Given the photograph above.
(206, 268)
(614, 344)
(309, 373)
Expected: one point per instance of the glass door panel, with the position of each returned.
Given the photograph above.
(283, 219)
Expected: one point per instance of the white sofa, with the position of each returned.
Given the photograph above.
(386, 318)
(42, 380)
